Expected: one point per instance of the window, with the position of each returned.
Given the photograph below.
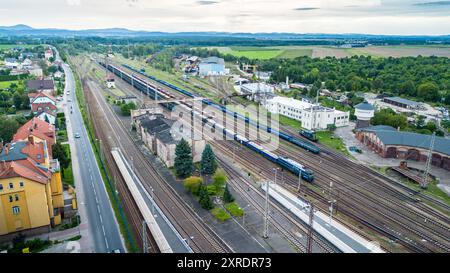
(38, 156)
(1, 187)
(16, 197)
(16, 210)
(11, 186)
(21, 184)
(10, 199)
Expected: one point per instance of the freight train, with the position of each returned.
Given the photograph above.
(154, 91)
(298, 142)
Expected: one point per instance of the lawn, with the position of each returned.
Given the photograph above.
(234, 209)
(67, 176)
(328, 139)
(3, 46)
(220, 214)
(7, 84)
(257, 54)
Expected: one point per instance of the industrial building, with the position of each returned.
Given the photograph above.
(312, 116)
(161, 138)
(212, 66)
(258, 92)
(390, 143)
(403, 103)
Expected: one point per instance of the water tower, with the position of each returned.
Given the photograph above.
(364, 111)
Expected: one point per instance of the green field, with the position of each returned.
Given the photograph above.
(3, 46)
(4, 85)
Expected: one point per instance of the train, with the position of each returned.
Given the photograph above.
(151, 90)
(296, 141)
(309, 134)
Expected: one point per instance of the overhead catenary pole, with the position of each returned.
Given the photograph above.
(266, 213)
(310, 229)
(144, 237)
(428, 164)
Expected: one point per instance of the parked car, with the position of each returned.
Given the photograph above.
(77, 135)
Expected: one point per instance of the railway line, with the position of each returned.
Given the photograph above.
(376, 194)
(185, 220)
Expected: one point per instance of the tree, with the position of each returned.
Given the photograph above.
(389, 117)
(59, 153)
(204, 199)
(208, 164)
(219, 180)
(428, 91)
(193, 184)
(183, 159)
(126, 108)
(227, 196)
(8, 127)
(17, 98)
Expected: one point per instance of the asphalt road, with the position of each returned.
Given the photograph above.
(103, 227)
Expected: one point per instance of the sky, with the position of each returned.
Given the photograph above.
(395, 17)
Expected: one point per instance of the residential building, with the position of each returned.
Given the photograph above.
(212, 66)
(31, 192)
(46, 86)
(161, 138)
(39, 130)
(48, 54)
(11, 63)
(312, 116)
(40, 97)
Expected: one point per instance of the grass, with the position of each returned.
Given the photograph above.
(328, 139)
(294, 53)
(130, 241)
(432, 190)
(220, 214)
(7, 84)
(3, 46)
(75, 238)
(62, 136)
(234, 209)
(67, 173)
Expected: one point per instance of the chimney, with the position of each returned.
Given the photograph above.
(31, 139)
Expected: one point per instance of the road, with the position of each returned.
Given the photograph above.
(93, 197)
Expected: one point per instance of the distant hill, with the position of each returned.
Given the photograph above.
(24, 30)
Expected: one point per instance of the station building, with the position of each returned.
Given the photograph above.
(161, 137)
(390, 143)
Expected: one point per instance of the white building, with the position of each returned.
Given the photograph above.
(311, 116)
(11, 63)
(48, 54)
(257, 91)
(212, 66)
(364, 111)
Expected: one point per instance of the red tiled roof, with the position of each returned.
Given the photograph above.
(24, 168)
(37, 128)
(36, 151)
(35, 107)
(36, 95)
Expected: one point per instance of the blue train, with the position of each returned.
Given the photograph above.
(287, 163)
(298, 142)
(309, 134)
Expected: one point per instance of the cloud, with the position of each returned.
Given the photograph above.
(436, 3)
(306, 8)
(206, 2)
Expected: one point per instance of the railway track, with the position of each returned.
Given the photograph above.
(185, 220)
(377, 196)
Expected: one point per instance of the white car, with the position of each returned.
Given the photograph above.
(69, 100)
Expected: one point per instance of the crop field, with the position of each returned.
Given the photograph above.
(289, 52)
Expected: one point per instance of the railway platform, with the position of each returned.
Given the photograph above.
(339, 235)
(166, 231)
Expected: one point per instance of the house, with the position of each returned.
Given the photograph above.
(11, 63)
(46, 86)
(39, 130)
(312, 116)
(212, 66)
(36, 98)
(45, 111)
(48, 54)
(31, 192)
(26, 64)
(160, 136)
(26, 55)
(35, 71)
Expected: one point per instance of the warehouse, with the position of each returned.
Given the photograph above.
(212, 66)
(390, 143)
(403, 103)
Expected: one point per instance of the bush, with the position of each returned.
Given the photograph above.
(193, 184)
(219, 180)
(220, 214)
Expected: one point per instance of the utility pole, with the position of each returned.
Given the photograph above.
(144, 237)
(299, 181)
(428, 165)
(266, 212)
(331, 202)
(275, 170)
(310, 229)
